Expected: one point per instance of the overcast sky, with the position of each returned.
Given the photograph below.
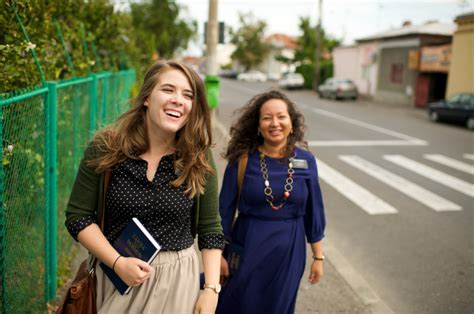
(343, 19)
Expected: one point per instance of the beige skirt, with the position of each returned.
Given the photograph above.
(172, 288)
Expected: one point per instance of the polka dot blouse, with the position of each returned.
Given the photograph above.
(164, 210)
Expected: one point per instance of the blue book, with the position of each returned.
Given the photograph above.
(134, 241)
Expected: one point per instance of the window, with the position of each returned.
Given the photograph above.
(396, 73)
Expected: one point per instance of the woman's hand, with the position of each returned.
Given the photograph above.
(133, 271)
(316, 272)
(224, 271)
(206, 303)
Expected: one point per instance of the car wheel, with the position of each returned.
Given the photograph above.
(434, 116)
(470, 123)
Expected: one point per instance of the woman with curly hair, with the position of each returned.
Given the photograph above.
(157, 156)
(280, 202)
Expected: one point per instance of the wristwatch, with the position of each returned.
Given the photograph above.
(322, 258)
(216, 288)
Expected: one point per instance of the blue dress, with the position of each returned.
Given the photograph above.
(274, 248)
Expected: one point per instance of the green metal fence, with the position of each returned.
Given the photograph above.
(44, 131)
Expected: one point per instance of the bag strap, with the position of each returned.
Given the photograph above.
(107, 176)
(242, 166)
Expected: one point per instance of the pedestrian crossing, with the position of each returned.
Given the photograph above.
(374, 205)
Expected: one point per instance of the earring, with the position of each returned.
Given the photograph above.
(291, 131)
(258, 133)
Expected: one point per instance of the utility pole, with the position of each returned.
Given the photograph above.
(317, 57)
(212, 80)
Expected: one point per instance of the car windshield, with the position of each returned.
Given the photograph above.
(454, 98)
(344, 81)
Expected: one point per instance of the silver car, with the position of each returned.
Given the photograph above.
(291, 80)
(338, 89)
(252, 76)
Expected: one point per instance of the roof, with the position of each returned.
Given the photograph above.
(281, 41)
(467, 17)
(429, 28)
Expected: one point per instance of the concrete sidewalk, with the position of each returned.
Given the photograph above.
(341, 289)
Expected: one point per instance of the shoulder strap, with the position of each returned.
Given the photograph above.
(241, 167)
(107, 175)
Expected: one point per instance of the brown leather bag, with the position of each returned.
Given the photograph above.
(81, 295)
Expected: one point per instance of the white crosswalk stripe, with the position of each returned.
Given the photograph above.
(450, 162)
(406, 187)
(468, 156)
(354, 192)
(433, 174)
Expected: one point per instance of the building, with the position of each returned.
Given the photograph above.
(408, 65)
(280, 45)
(461, 70)
(358, 63)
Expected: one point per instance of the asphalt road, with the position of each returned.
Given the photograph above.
(399, 196)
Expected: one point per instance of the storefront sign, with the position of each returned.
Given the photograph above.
(435, 59)
(414, 59)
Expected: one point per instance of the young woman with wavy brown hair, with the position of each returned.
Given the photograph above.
(280, 204)
(157, 156)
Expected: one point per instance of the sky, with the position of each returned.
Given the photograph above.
(345, 20)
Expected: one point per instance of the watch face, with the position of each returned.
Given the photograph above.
(215, 288)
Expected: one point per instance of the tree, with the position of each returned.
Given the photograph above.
(307, 42)
(83, 24)
(159, 29)
(248, 39)
(305, 54)
(97, 37)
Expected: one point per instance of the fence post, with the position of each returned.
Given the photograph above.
(105, 99)
(75, 127)
(3, 305)
(93, 105)
(51, 187)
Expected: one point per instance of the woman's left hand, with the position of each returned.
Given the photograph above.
(206, 303)
(316, 272)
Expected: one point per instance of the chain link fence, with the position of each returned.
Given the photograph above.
(44, 132)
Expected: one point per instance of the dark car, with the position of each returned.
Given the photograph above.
(228, 73)
(458, 108)
(338, 89)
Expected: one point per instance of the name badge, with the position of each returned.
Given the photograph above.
(300, 164)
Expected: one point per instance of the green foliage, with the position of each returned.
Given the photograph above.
(248, 39)
(97, 37)
(307, 42)
(160, 19)
(306, 52)
(81, 24)
(307, 70)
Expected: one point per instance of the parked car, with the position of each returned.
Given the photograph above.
(252, 76)
(458, 108)
(338, 89)
(228, 73)
(291, 80)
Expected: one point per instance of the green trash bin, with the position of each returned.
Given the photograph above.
(212, 90)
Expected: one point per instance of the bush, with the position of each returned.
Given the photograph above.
(96, 37)
(307, 70)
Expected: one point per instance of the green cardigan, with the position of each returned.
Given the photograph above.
(87, 196)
